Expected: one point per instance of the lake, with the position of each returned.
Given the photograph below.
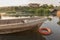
(29, 35)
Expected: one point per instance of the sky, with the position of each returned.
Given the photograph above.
(4, 3)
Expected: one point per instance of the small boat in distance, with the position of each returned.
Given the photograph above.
(18, 25)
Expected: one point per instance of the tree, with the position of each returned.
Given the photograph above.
(51, 6)
(44, 6)
(0, 15)
(47, 12)
(40, 11)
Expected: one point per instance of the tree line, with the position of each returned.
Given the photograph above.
(42, 10)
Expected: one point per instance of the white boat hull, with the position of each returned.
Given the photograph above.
(18, 27)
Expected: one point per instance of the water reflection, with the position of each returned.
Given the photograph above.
(26, 35)
(54, 27)
(58, 21)
(50, 19)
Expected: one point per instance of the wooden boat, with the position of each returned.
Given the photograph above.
(18, 25)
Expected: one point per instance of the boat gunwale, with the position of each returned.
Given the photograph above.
(20, 25)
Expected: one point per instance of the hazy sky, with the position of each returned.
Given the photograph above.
(25, 2)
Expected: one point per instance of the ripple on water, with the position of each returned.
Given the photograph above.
(54, 27)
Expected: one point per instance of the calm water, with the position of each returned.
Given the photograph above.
(29, 35)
